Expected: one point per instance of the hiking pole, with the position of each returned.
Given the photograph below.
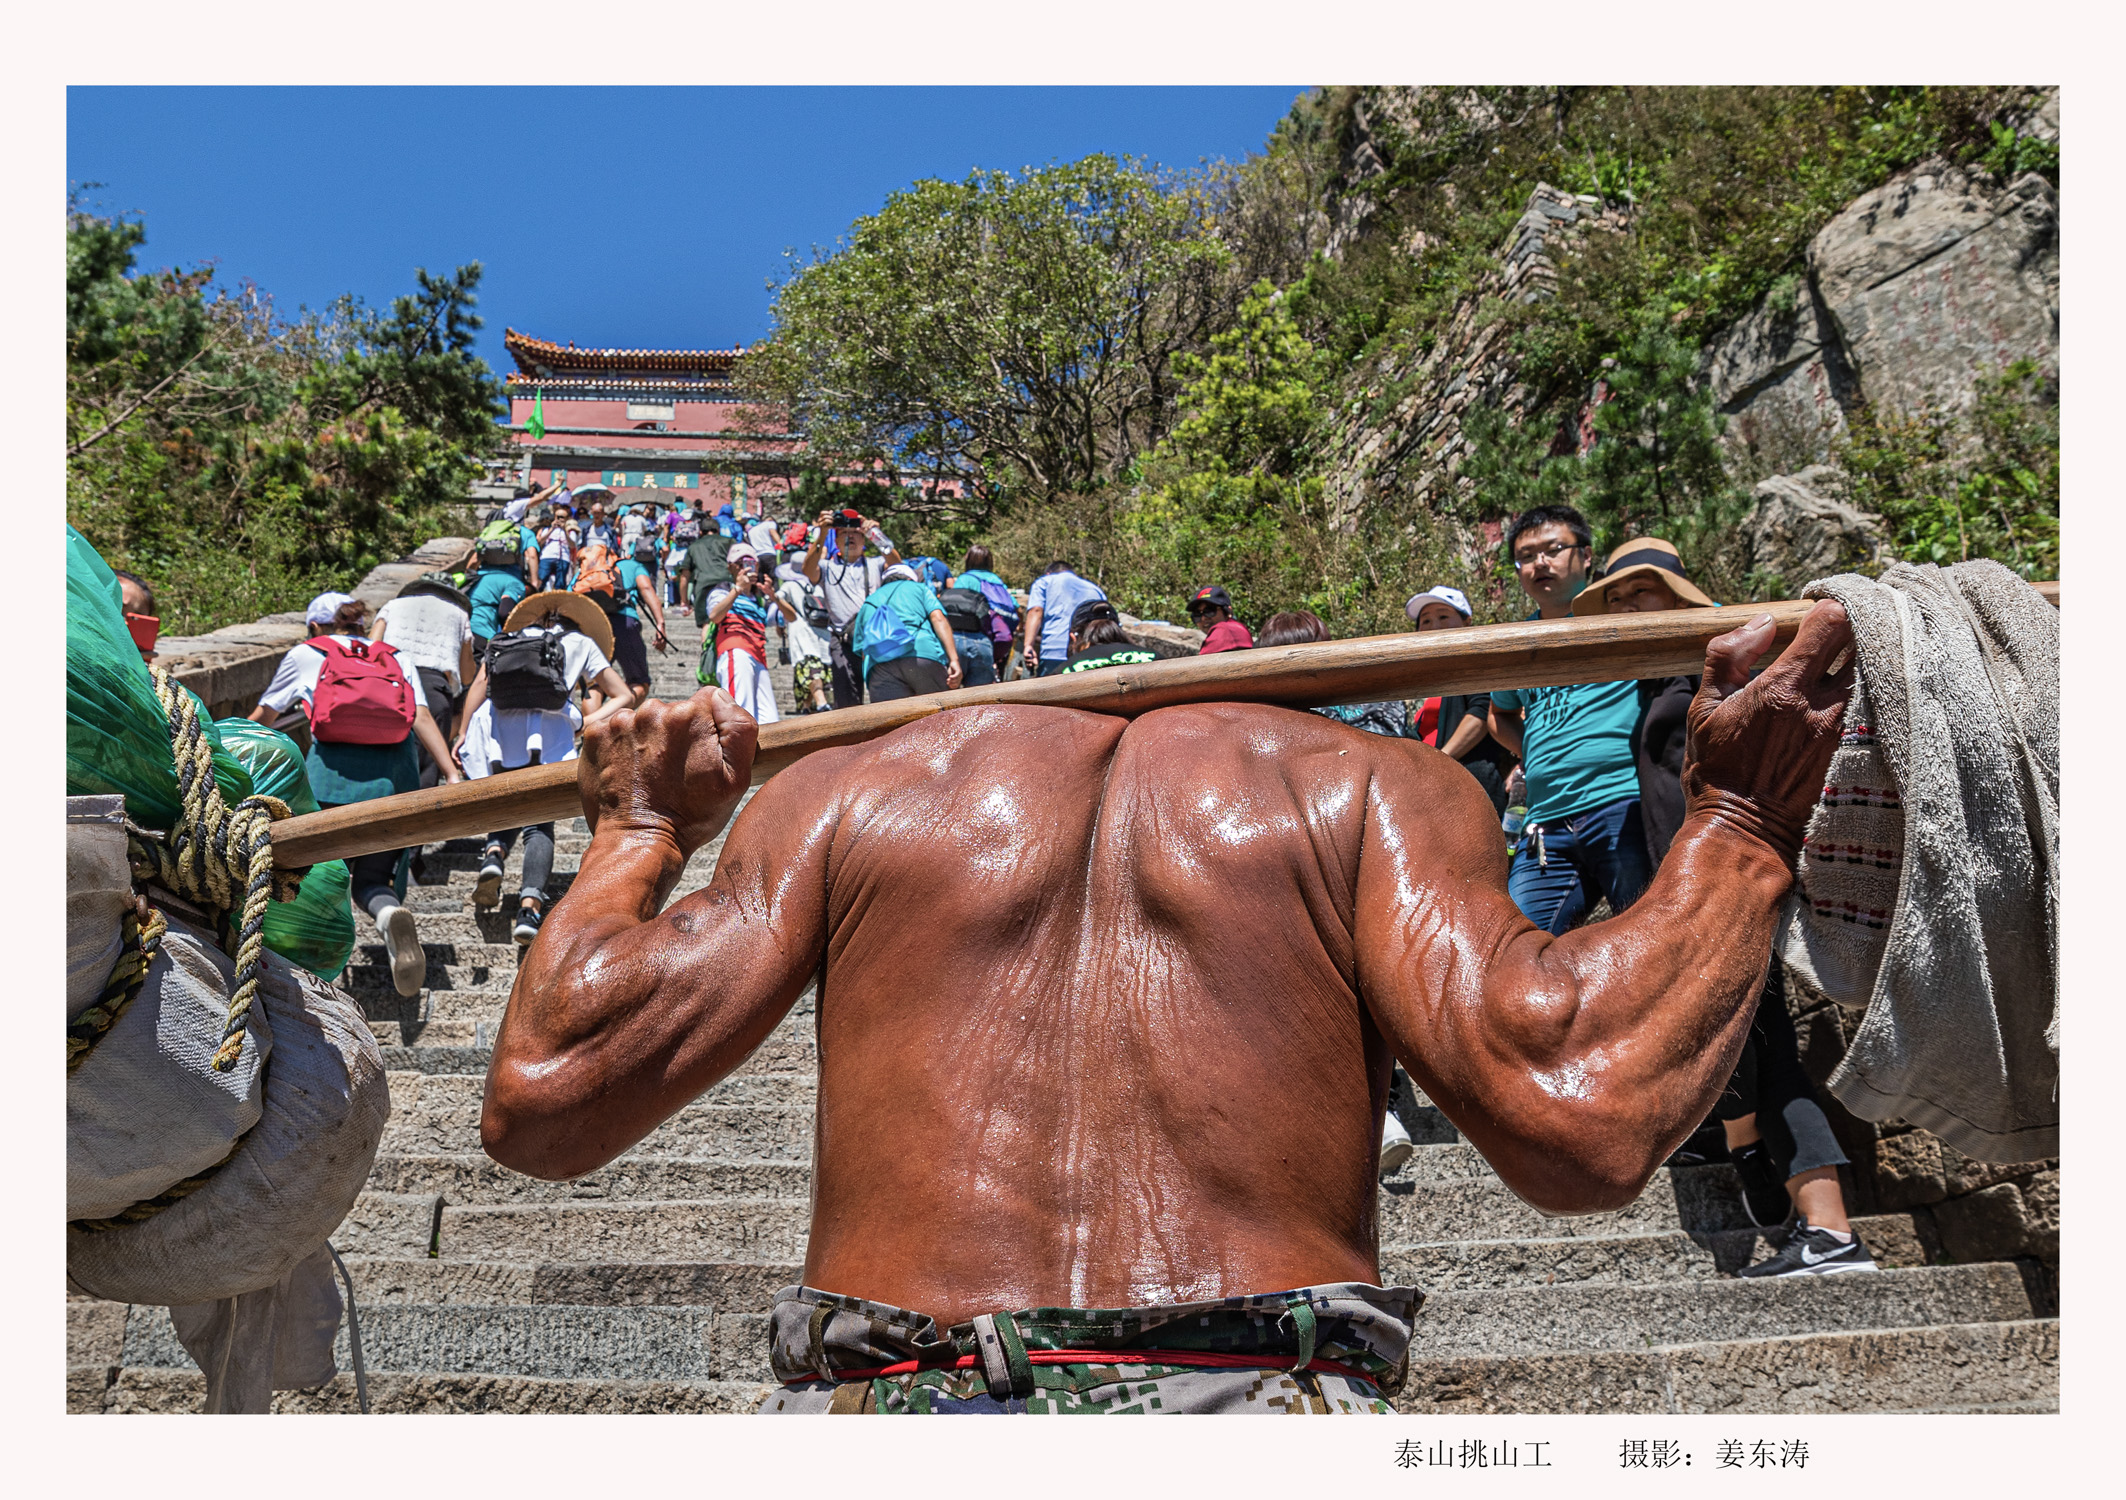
(1523, 654)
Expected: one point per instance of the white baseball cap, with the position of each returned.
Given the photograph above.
(1452, 597)
(738, 550)
(325, 608)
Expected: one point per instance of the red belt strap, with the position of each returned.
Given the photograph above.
(1199, 1359)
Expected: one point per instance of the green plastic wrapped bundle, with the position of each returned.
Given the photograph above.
(118, 740)
(316, 929)
(117, 737)
(271, 760)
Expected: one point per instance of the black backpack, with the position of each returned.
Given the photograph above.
(966, 611)
(526, 671)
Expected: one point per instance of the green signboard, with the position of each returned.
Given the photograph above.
(652, 479)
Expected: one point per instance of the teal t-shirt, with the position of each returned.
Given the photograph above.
(492, 594)
(630, 596)
(912, 603)
(1576, 746)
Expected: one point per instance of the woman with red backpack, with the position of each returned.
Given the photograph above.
(365, 713)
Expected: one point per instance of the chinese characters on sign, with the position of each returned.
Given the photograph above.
(659, 479)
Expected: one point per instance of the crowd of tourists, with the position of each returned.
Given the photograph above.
(546, 630)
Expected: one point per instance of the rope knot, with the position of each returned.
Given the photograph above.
(218, 857)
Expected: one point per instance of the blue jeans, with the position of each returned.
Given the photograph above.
(553, 573)
(1557, 878)
(978, 661)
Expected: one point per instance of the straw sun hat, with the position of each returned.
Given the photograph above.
(578, 610)
(1638, 558)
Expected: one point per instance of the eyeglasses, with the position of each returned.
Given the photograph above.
(1553, 552)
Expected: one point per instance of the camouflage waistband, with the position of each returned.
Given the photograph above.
(1313, 1349)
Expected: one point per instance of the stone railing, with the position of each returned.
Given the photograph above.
(230, 667)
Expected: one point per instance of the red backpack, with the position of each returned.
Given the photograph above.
(362, 698)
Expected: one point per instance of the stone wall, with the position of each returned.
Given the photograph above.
(230, 667)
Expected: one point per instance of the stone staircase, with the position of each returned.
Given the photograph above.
(644, 1286)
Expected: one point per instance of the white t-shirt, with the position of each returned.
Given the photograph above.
(295, 679)
(511, 735)
(763, 536)
(427, 631)
(555, 544)
(805, 638)
(631, 527)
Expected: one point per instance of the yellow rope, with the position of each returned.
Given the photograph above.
(140, 939)
(218, 856)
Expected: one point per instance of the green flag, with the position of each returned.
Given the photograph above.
(536, 427)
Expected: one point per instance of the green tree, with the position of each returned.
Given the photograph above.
(240, 461)
(1655, 467)
(1017, 333)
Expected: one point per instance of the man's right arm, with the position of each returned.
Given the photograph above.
(1577, 1063)
(625, 1011)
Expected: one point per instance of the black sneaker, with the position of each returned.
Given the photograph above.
(1814, 1252)
(527, 926)
(1704, 1146)
(1764, 1196)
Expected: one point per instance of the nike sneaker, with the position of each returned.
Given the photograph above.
(1809, 1251)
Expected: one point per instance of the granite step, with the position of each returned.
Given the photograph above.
(2010, 1365)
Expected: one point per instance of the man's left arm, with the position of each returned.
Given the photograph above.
(1577, 1063)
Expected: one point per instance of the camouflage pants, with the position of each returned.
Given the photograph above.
(804, 672)
(1320, 1350)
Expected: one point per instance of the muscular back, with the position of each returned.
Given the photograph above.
(1107, 1006)
(1097, 976)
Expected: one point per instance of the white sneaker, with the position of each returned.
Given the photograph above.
(487, 890)
(409, 965)
(1396, 1146)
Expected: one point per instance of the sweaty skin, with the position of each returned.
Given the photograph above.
(1107, 1006)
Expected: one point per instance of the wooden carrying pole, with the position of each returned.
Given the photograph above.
(1547, 653)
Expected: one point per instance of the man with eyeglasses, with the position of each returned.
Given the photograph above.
(1584, 838)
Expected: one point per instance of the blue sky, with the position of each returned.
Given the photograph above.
(642, 218)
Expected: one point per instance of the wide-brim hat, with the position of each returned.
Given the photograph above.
(575, 608)
(438, 585)
(1641, 557)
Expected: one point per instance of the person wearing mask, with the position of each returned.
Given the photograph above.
(539, 726)
(977, 571)
(836, 564)
(1585, 837)
(738, 616)
(429, 625)
(138, 603)
(1458, 726)
(1050, 607)
(1792, 1171)
(1210, 610)
(356, 695)
(904, 640)
(557, 550)
(1097, 640)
